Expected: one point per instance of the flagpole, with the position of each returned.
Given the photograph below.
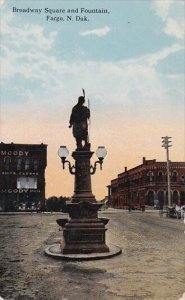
(89, 121)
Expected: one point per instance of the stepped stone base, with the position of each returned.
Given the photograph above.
(84, 232)
(55, 252)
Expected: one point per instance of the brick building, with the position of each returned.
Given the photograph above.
(146, 184)
(22, 176)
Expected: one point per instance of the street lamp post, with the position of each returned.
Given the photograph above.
(84, 232)
(82, 171)
(166, 144)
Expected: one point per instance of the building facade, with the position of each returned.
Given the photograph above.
(22, 176)
(146, 185)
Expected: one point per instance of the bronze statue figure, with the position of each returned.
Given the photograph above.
(78, 120)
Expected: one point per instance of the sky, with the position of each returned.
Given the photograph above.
(130, 60)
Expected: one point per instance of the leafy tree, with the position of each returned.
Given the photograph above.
(51, 203)
(57, 204)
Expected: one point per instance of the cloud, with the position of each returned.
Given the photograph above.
(28, 35)
(24, 49)
(129, 83)
(26, 55)
(183, 297)
(171, 13)
(162, 8)
(155, 58)
(2, 2)
(174, 28)
(98, 32)
(33, 63)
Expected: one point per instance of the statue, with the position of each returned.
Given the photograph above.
(78, 120)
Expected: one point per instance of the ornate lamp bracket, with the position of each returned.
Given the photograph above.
(93, 168)
(71, 168)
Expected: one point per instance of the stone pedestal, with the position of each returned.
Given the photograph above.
(82, 184)
(84, 232)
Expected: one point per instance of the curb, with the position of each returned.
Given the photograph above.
(55, 252)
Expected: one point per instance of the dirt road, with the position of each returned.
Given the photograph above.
(151, 267)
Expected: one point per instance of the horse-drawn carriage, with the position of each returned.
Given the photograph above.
(175, 212)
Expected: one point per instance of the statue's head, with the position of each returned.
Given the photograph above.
(81, 100)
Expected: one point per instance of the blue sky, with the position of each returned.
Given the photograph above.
(130, 62)
(125, 40)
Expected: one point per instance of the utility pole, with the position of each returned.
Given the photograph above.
(109, 195)
(166, 144)
(128, 189)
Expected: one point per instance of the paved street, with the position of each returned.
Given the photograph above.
(152, 265)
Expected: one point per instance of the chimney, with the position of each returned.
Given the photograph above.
(125, 169)
(144, 160)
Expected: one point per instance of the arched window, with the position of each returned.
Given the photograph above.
(175, 196)
(182, 179)
(160, 176)
(182, 198)
(150, 176)
(160, 196)
(174, 176)
(27, 164)
(35, 164)
(7, 161)
(19, 163)
(150, 198)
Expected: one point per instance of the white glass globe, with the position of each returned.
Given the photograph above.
(101, 152)
(63, 152)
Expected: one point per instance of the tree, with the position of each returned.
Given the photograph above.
(57, 204)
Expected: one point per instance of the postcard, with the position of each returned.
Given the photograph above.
(125, 61)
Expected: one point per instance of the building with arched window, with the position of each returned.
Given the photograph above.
(22, 176)
(146, 185)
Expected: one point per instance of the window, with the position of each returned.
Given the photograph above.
(27, 164)
(175, 196)
(174, 176)
(35, 164)
(7, 161)
(19, 163)
(27, 183)
(160, 176)
(150, 176)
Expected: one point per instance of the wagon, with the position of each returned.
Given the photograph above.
(172, 213)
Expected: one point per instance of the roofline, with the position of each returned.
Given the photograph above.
(154, 163)
(17, 144)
